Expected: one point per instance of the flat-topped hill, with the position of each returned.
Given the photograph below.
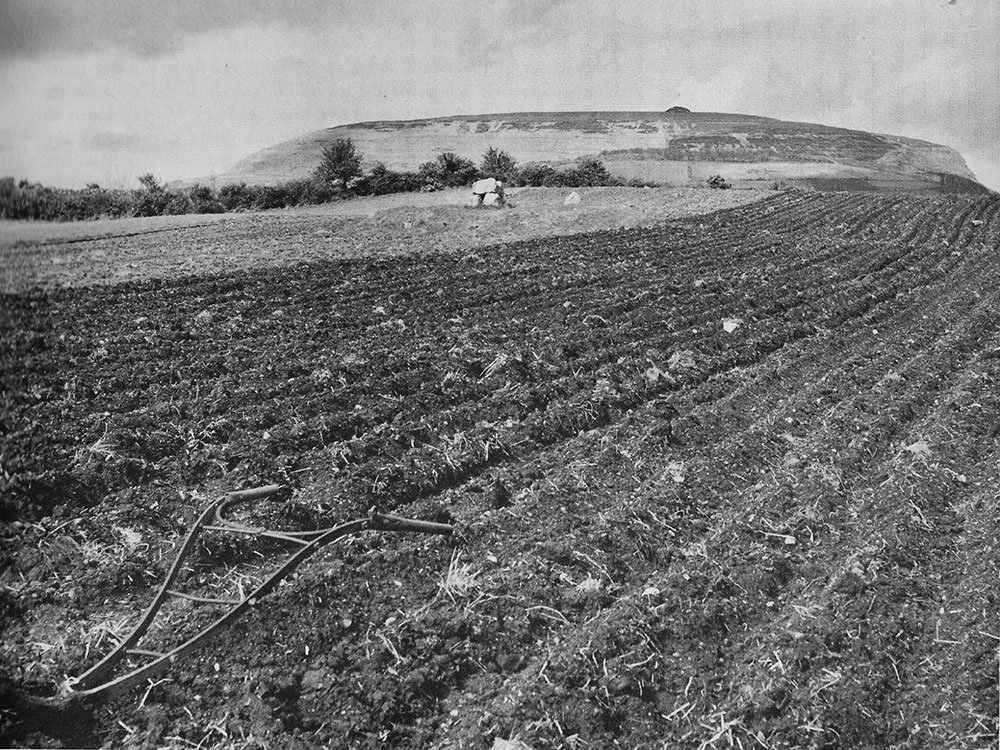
(675, 148)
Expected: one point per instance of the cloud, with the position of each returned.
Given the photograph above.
(35, 28)
(107, 141)
(207, 82)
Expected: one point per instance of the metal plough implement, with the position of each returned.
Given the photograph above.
(99, 681)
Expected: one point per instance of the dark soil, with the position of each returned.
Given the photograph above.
(725, 482)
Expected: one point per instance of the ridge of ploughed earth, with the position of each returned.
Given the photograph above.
(727, 481)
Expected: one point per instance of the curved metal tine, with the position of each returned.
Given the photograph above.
(137, 675)
(110, 661)
(234, 498)
(242, 496)
(202, 599)
(299, 537)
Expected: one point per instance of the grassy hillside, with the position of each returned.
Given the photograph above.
(672, 148)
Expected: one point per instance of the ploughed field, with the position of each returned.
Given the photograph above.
(730, 481)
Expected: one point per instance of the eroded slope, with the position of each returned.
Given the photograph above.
(669, 148)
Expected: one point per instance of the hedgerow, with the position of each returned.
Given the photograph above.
(26, 200)
(338, 177)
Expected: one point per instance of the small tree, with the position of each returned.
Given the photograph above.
(153, 198)
(591, 173)
(381, 180)
(149, 183)
(497, 164)
(340, 164)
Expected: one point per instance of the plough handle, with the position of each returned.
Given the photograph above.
(386, 522)
(255, 493)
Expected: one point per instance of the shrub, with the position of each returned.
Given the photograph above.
(298, 192)
(270, 196)
(204, 200)
(153, 198)
(236, 197)
(497, 164)
(535, 175)
(382, 180)
(178, 203)
(591, 173)
(95, 203)
(588, 173)
(15, 201)
(449, 170)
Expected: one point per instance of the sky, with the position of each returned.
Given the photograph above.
(105, 90)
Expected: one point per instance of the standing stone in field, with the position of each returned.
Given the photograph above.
(484, 186)
(573, 199)
(488, 191)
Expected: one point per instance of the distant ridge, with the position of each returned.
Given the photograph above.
(675, 147)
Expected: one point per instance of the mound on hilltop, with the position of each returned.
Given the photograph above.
(676, 148)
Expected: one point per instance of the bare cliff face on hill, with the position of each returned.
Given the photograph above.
(674, 148)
